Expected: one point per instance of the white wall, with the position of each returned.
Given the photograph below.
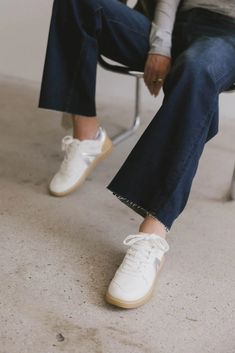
(23, 36)
(23, 33)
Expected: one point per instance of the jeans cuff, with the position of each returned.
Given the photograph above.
(140, 209)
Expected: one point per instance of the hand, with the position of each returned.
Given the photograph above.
(156, 68)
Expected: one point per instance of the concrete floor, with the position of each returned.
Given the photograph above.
(58, 255)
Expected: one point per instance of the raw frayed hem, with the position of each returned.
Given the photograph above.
(139, 208)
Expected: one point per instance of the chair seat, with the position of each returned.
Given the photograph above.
(118, 68)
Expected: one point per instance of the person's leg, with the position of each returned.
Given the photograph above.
(114, 43)
(79, 30)
(152, 225)
(157, 175)
(84, 128)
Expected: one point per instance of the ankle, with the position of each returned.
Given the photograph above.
(153, 226)
(85, 128)
(85, 135)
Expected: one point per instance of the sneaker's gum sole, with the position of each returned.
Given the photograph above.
(135, 303)
(106, 150)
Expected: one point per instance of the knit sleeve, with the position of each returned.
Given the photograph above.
(162, 27)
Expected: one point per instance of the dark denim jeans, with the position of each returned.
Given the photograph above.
(79, 30)
(157, 175)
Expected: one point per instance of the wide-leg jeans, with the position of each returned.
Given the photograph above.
(156, 177)
(79, 31)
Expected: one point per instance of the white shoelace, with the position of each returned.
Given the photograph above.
(75, 148)
(142, 251)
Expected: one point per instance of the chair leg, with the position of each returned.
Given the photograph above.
(66, 121)
(136, 121)
(233, 185)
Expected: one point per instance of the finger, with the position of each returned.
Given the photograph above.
(151, 87)
(157, 87)
(154, 83)
(148, 82)
(159, 84)
(152, 79)
(148, 76)
(157, 90)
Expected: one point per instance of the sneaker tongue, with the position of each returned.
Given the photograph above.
(154, 243)
(147, 244)
(147, 241)
(152, 246)
(157, 240)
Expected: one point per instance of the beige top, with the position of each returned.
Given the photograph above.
(164, 18)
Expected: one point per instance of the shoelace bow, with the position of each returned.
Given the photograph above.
(140, 251)
(73, 147)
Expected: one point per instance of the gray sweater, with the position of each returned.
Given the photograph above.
(164, 18)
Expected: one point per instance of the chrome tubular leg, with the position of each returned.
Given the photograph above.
(66, 121)
(136, 121)
(233, 185)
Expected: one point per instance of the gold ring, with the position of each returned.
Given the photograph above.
(158, 80)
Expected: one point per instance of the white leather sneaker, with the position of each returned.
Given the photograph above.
(79, 160)
(134, 280)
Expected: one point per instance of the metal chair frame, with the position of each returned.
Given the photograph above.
(136, 119)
